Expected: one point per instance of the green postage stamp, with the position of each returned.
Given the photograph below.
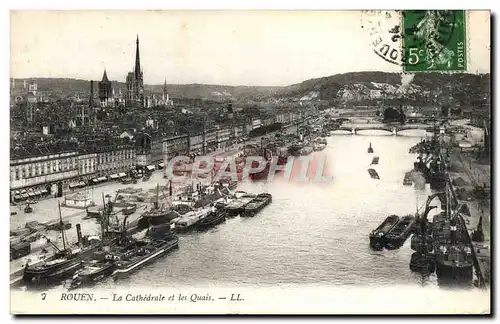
(434, 40)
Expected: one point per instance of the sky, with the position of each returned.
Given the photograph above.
(268, 48)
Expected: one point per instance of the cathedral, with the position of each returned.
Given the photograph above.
(135, 82)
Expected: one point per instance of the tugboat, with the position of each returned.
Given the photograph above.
(377, 236)
(398, 235)
(63, 265)
(373, 174)
(370, 149)
(257, 204)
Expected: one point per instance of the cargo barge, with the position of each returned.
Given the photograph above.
(377, 236)
(257, 204)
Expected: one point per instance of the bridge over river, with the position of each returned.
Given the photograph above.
(394, 129)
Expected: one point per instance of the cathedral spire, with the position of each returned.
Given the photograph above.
(137, 61)
(164, 93)
(105, 77)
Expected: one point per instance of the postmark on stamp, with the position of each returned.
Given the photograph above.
(434, 40)
(384, 30)
(419, 40)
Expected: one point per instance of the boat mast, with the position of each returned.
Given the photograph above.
(156, 201)
(62, 225)
(103, 217)
(452, 218)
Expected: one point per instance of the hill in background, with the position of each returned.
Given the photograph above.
(358, 88)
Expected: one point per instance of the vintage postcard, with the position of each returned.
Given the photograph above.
(250, 162)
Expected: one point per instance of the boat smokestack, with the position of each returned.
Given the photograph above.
(79, 233)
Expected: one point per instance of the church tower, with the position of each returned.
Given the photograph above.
(135, 81)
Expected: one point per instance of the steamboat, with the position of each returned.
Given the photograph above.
(62, 266)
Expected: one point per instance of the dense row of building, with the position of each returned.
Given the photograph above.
(55, 169)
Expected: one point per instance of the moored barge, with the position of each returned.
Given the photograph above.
(142, 253)
(398, 235)
(257, 204)
(377, 236)
(237, 205)
(93, 272)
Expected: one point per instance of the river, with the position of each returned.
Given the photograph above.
(314, 234)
